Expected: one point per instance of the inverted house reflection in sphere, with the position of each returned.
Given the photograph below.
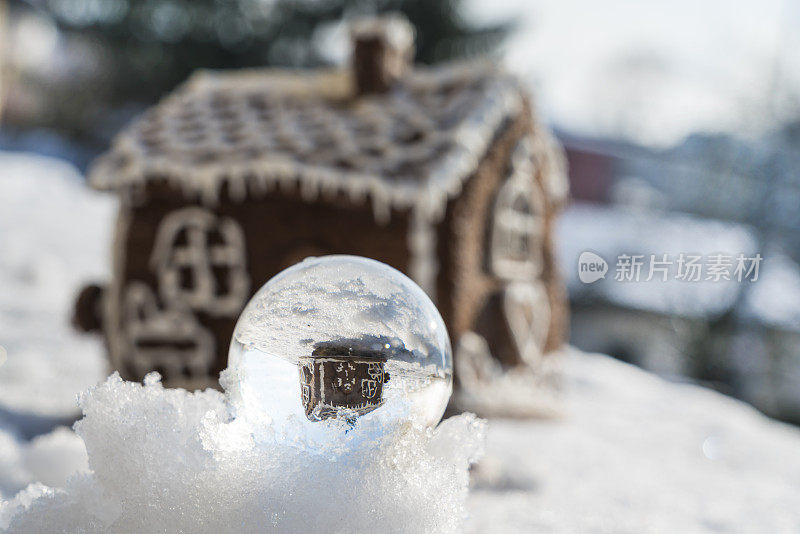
(346, 375)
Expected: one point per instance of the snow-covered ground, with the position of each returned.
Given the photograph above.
(631, 452)
(634, 453)
(54, 236)
(48, 459)
(166, 460)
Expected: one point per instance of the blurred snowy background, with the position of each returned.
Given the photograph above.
(681, 122)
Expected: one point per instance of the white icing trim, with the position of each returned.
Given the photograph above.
(527, 311)
(514, 228)
(552, 163)
(200, 257)
(144, 322)
(471, 140)
(423, 262)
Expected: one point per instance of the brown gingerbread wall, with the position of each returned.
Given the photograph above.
(465, 284)
(279, 229)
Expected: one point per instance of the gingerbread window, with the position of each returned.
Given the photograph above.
(199, 260)
(526, 308)
(170, 341)
(518, 225)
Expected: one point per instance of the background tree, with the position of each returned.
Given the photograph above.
(146, 47)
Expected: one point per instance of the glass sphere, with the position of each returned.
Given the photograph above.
(336, 341)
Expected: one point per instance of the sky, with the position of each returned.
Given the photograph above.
(651, 71)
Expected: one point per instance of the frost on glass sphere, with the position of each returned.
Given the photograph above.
(337, 341)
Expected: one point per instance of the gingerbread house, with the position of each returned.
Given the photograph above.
(441, 172)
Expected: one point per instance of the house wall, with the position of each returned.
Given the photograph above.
(551, 277)
(279, 229)
(464, 282)
(467, 290)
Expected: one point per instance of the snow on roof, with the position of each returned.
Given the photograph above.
(612, 231)
(255, 129)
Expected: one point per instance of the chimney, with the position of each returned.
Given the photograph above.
(383, 48)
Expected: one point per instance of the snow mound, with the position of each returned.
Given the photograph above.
(49, 459)
(169, 460)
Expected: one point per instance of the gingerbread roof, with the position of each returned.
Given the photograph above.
(411, 146)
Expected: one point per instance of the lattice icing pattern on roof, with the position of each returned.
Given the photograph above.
(412, 146)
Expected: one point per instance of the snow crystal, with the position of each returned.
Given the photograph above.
(170, 460)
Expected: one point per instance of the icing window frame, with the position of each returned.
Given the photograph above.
(198, 257)
(517, 235)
